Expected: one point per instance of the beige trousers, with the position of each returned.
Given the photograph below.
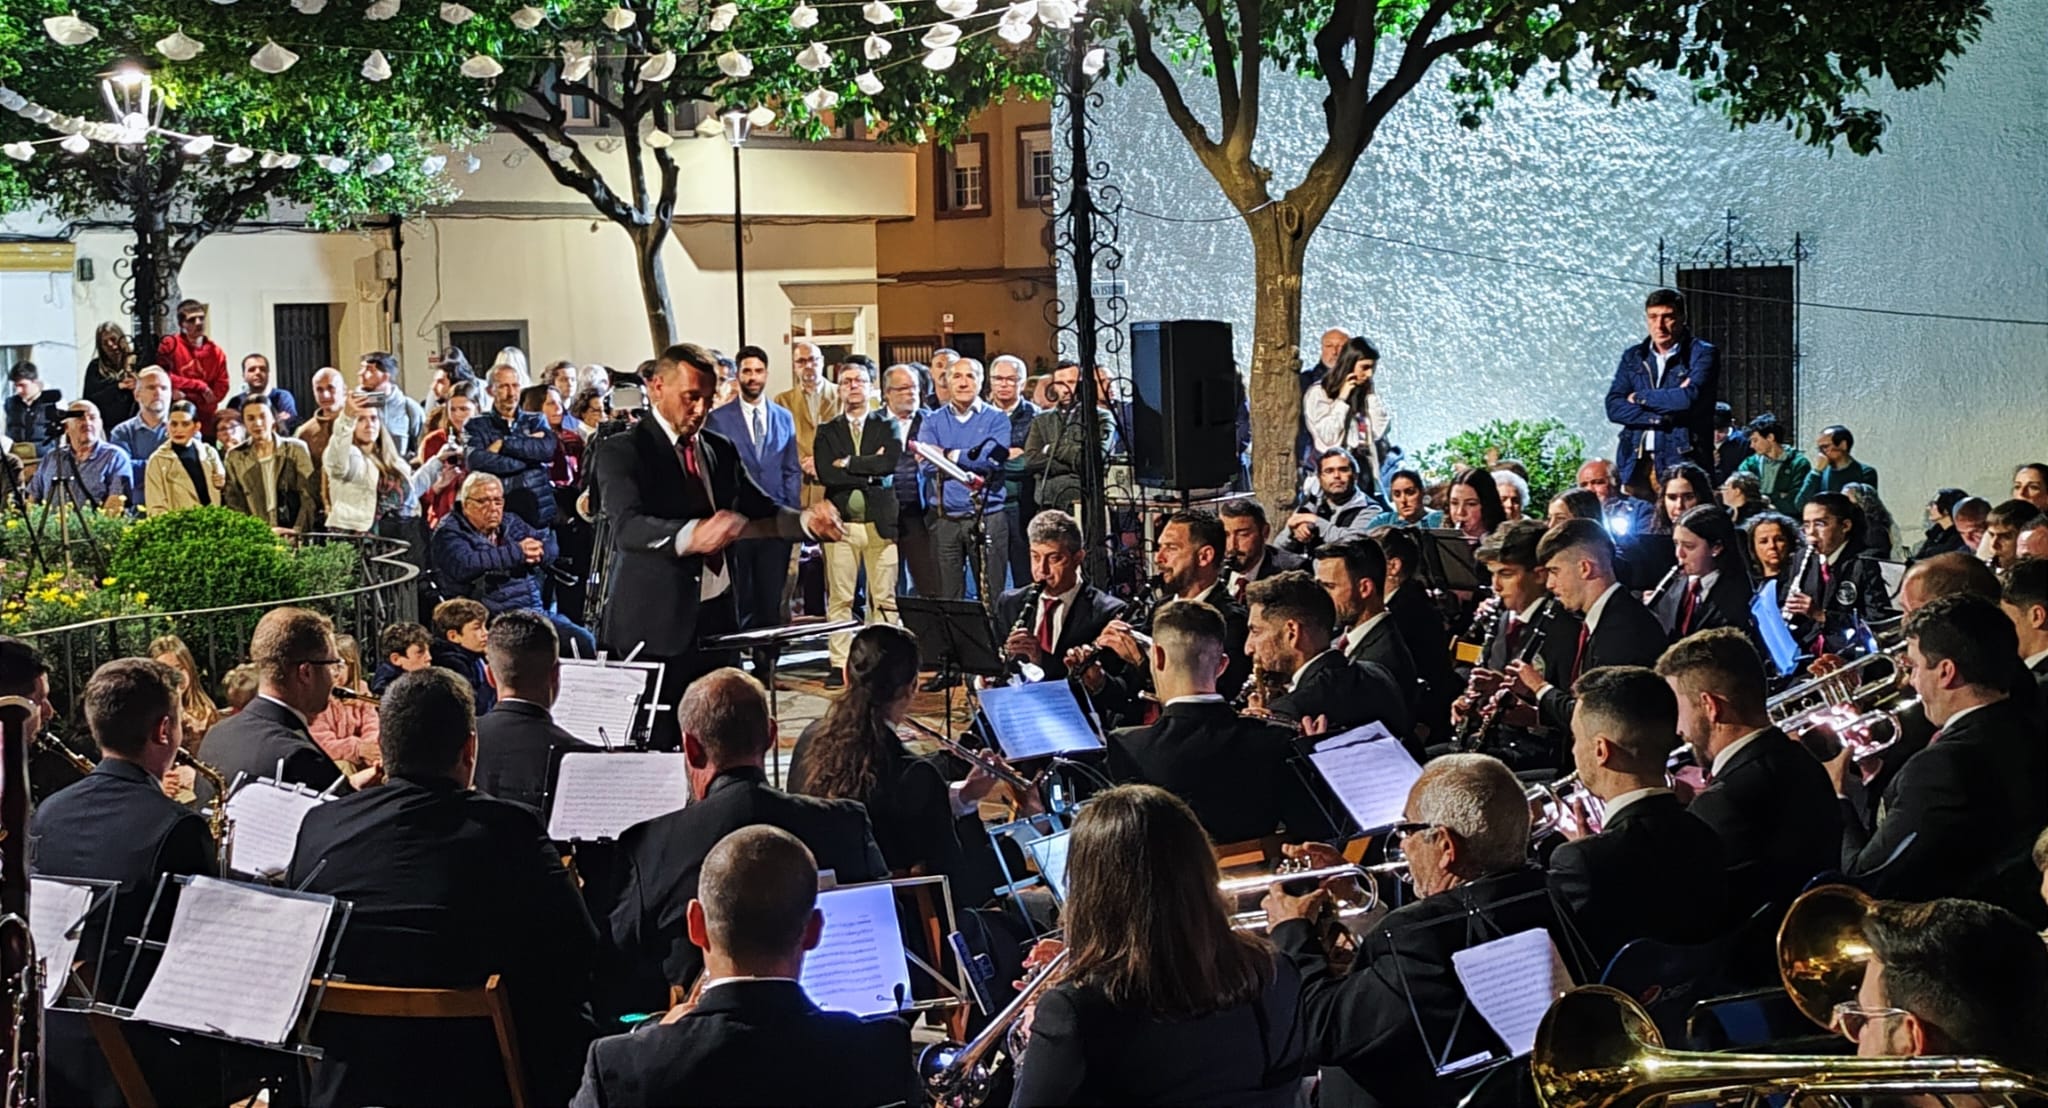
(843, 562)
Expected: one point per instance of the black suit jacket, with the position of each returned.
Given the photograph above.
(868, 467)
(1973, 800)
(1383, 647)
(1084, 1050)
(1775, 814)
(1278, 561)
(754, 1043)
(255, 739)
(1093, 609)
(1627, 635)
(1725, 605)
(1429, 644)
(1655, 871)
(909, 810)
(1349, 694)
(647, 498)
(449, 887)
(650, 946)
(1231, 769)
(518, 749)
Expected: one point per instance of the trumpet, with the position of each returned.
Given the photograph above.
(987, 761)
(961, 1075)
(1556, 804)
(344, 693)
(1859, 704)
(1237, 888)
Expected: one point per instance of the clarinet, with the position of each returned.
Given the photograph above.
(1657, 594)
(1487, 720)
(1021, 671)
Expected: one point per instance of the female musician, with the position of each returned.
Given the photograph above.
(1473, 504)
(1712, 589)
(1410, 500)
(1685, 487)
(1347, 413)
(347, 730)
(197, 708)
(1159, 1001)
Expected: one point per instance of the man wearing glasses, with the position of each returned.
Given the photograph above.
(197, 364)
(1949, 977)
(1006, 395)
(485, 552)
(813, 402)
(294, 653)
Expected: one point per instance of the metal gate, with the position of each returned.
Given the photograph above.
(305, 345)
(1744, 298)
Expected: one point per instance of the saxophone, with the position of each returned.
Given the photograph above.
(217, 816)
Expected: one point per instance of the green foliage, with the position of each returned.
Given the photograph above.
(58, 598)
(205, 558)
(46, 530)
(324, 569)
(1550, 452)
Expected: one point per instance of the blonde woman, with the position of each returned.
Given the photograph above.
(347, 730)
(197, 708)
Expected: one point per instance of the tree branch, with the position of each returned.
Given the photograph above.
(583, 179)
(1329, 43)
(1223, 61)
(1251, 58)
(1150, 64)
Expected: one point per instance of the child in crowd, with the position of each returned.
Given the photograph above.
(405, 648)
(239, 687)
(460, 624)
(347, 730)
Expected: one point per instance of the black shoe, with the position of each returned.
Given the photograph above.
(939, 682)
(835, 680)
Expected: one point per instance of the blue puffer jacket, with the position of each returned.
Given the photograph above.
(492, 570)
(527, 445)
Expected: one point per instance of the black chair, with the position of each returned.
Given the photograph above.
(1668, 978)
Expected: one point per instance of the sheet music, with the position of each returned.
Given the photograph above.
(1371, 773)
(595, 695)
(1037, 720)
(1511, 982)
(238, 961)
(266, 818)
(599, 795)
(1050, 855)
(859, 965)
(1769, 614)
(54, 909)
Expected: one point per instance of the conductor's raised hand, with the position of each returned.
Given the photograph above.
(715, 533)
(822, 520)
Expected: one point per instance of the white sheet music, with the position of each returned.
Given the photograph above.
(1512, 981)
(266, 818)
(260, 943)
(1371, 773)
(594, 696)
(1037, 720)
(599, 795)
(1050, 855)
(859, 965)
(54, 908)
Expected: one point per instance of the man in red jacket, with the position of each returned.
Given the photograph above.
(197, 365)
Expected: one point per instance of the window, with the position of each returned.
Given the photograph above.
(962, 187)
(1749, 313)
(1034, 166)
(836, 331)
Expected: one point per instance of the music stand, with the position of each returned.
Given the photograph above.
(768, 642)
(1447, 560)
(100, 896)
(569, 711)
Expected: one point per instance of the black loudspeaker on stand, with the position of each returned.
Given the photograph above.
(1184, 404)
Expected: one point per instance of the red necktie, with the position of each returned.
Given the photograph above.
(1045, 612)
(1237, 590)
(1579, 656)
(714, 561)
(1685, 609)
(1514, 636)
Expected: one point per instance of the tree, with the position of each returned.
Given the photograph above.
(1805, 65)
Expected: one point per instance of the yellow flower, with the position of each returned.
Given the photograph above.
(142, 598)
(106, 580)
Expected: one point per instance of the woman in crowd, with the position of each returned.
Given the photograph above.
(1513, 487)
(1775, 544)
(1158, 1000)
(347, 730)
(437, 499)
(228, 431)
(1473, 506)
(1410, 500)
(1684, 487)
(558, 376)
(197, 709)
(370, 488)
(110, 376)
(1713, 587)
(1345, 412)
(586, 412)
(1880, 533)
(2030, 483)
(1743, 495)
(1941, 535)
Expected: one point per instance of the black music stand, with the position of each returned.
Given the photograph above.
(1447, 561)
(957, 636)
(768, 642)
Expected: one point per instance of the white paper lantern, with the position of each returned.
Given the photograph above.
(803, 17)
(289, 161)
(455, 15)
(942, 58)
(1014, 33)
(381, 10)
(19, 151)
(179, 46)
(618, 19)
(878, 13)
(272, 58)
(271, 159)
(814, 57)
(1056, 13)
(433, 164)
(709, 127)
(379, 165)
(471, 163)
(660, 139)
(868, 83)
(876, 48)
(482, 67)
(658, 68)
(527, 18)
(1093, 61)
(236, 155)
(69, 30)
(10, 100)
(198, 145)
(310, 7)
(941, 36)
(722, 17)
(821, 99)
(75, 144)
(576, 62)
(377, 67)
(336, 165)
(958, 9)
(761, 117)
(732, 63)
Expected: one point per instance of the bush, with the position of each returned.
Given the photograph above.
(19, 537)
(1551, 452)
(208, 557)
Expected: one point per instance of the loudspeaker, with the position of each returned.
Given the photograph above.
(1184, 407)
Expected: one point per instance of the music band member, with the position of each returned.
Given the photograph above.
(1521, 591)
(519, 746)
(676, 497)
(1950, 977)
(1578, 558)
(293, 650)
(1653, 870)
(1766, 798)
(1343, 508)
(1420, 621)
(755, 917)
(1289, 626)
(1065, 612)
(857, 454)
(1189, 558)
(1231, 769)
(2025, 602)
(1662, 396)
(1960, 816)
(1247, 547)
(1378, 1030)
(1712, 588)
(1843, 589)
(1354, 573)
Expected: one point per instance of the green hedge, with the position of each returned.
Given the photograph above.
(1551, 452)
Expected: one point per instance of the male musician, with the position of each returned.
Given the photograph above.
(1342, 511)
(1420, 622)
(117, 825)
(727, 734)
(1247, 549)
(1843, 588)
(1065, 612)
(1354, 573)
(1951, 977)
(1056, 443)
(1526, 611)
(2000, 545)
(811, 403)
(518, 745)
(1231, 769)
(294, 653)
(752, 1036)
(856, 455)
(1289, 634)
(675, 497)
(1833, 467)
(1189, 558)
(1662, 396)
(1382, 1031)
(975, 437)
(765, 435)
(1654, 870)
(2025, 602)
(1766, 797)
(1617, 630)
(1961, 815)
(450, 888)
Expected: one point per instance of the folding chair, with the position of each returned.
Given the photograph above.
(486, 1002)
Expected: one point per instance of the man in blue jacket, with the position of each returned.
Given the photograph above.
(975, 436)
(764, 434)
(1662, 397)
(515, 447)
(483, 552)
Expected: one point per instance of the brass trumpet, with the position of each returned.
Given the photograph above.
(960, 1075)
(1237, 888)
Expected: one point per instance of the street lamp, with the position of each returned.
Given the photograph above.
(132, 99)
(737, 127)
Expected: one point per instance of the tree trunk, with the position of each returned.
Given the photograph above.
(1279, 247)
(654, 296)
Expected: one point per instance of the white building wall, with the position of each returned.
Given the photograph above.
(1951, 218)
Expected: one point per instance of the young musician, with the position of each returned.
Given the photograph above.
(1290, 621)
(1525, 611)
(1354, 573)
(1950, 977)
(1712, 588)
(1247, 549)
(2025, 601)
(518, 744)
(1843, 589)
(1617, 629)
(1420, 621)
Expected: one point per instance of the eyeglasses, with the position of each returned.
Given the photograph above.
(1397, 840)
(1851, 1018)
(323, 663)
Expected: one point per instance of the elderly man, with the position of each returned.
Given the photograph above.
(1380, 1031)
(515, 447)
(1626, 516)
(975, 437)
(857, 452)
(256, 386)
(812, 403)
(269, 477)
(1057, 443)
(1006, 394)
(141, 433)
(1332, 349)
(92, 472)
(489, 554)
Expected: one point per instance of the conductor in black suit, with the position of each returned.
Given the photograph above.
(1617, 630)
(1960, 817)
(727, 732)
(518, 745)
(1065, 611)
(751, 1036)
(1290, 621)
(294, 654)
(1654, 870)
(450, 888)
(675, 498)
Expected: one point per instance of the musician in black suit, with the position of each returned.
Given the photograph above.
(1065, 612)
(450, 888)
(518, 745)
(1231, 769)
(1248, 552)
(1527, 620)
(1843, 586)
(1290, 621)
(727, 734)
(1354, 573)
(1960, 817)
(1380, 1031)
(856, 454)
(293, 651)
(1766, 797)
(1654, 870)
(1189, 561)
(2025, 601)
(1711, 587)
(1617, 631)
(675, 498)
(117, 825)
(751, 1036)
(1421, 624)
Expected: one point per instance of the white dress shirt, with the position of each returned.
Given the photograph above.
(1615, 806)
(1059, 614)
(1728, 752)
(710, 585)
